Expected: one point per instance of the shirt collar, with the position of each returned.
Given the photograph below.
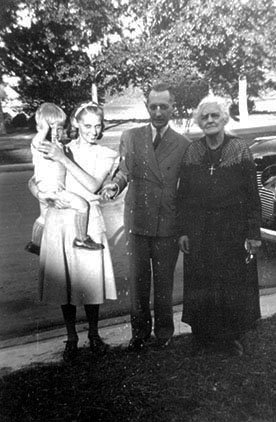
(162, 131)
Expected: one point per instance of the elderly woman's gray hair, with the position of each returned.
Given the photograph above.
(222, 103)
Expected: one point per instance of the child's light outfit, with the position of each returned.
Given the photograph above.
(50, 178)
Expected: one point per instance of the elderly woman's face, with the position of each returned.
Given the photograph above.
(211, 120)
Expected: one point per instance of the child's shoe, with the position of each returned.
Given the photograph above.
(32, 248)
(87, 243)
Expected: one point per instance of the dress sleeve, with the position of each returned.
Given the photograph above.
(253, 203)
(121, 175)
(106, 161)
(183, 194)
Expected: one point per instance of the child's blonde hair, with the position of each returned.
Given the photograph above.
(51, 113)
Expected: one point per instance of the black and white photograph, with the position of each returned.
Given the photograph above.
(138, 211)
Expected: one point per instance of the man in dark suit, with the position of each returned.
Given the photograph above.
(151, 158)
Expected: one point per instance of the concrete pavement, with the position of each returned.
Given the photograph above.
(47, 347)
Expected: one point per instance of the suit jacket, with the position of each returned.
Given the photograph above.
(152, 178)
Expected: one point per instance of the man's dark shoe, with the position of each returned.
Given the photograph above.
(32, 248)
(87, 243)
(98, 346)
(136, 345)
(70, 352)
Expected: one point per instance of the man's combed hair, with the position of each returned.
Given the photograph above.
(164, 86)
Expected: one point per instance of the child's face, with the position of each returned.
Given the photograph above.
(90, 127)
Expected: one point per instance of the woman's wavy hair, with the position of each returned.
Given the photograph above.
(222, 103)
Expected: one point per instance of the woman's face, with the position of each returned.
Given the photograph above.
(211, 120)
(90, 127)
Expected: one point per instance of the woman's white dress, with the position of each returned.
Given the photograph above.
(68, 274)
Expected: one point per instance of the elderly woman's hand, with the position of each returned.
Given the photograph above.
(253, 245)
(184, 244)
(52, 151)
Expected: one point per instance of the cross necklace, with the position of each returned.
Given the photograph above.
(211, 169)
(214, 158)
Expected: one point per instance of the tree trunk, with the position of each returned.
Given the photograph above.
(243, 109)
(2, 122)
(94, 93)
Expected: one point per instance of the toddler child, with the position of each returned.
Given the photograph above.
(50, 179)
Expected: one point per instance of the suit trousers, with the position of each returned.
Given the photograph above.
(151, 257)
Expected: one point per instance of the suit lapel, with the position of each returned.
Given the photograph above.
(166, 146)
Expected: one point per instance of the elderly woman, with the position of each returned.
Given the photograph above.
(219, 220)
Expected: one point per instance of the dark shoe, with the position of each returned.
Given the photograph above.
(136, 345)
(32, 248)
(98, 346)
(164, 343)
(70, 352)
(87, 243)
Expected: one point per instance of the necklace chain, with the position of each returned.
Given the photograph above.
(214, 161)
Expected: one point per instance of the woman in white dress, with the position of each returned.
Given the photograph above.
(68, 276)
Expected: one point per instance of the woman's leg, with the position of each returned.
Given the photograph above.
(96, 343)
(71, 348)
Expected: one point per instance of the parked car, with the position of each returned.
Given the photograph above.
(264, 154)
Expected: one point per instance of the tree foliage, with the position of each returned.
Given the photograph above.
(50, 54)
(197, 44)
(206, 41)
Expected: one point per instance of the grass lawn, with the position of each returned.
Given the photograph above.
(172, 385)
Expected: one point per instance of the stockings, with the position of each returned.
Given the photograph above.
(92, 315)
(69, 315)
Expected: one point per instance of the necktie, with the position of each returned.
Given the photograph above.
(157, 140)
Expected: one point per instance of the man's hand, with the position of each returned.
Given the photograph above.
(109, 191)
(184, 244)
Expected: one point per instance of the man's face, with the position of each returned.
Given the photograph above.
(160, 108)
(90, 127)
(211, 120)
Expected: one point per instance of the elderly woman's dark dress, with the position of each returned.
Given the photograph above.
(219, 207)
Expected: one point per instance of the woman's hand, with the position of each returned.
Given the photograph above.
(184, 244)
(52, 151)
(51, 199)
